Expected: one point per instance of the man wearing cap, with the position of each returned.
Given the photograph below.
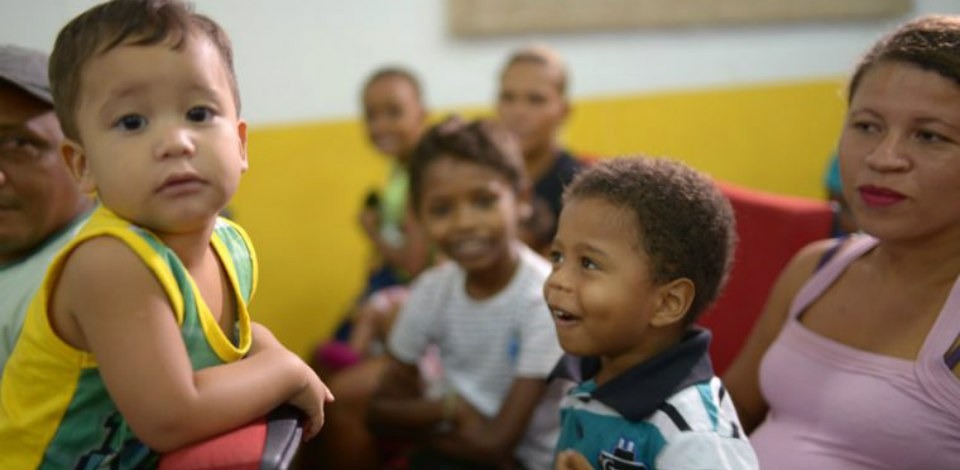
(41, 206)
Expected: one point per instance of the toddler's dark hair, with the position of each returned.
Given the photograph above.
(119, 22)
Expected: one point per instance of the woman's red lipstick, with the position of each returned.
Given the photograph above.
(876, 196)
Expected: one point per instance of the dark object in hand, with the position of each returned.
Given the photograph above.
(372, 201)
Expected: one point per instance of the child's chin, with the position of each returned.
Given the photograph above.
(576, 348)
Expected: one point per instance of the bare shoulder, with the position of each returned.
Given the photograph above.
(806, 261)
(100, 277)
(99, 260)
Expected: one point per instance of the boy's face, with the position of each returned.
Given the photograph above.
(161, 142)
(530, 104)
(393, 115)
(601, 292)
(470, 212)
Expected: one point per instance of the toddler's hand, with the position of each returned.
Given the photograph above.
(572, 460)
(311, 399)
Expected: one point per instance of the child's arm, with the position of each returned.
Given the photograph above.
(398, 407)
(492, 441)
(412, 256)
(109, 303)
(263, 340)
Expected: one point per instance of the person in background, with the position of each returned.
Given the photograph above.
(395, 118)
(41, 206)
(843, 223)
(482, 309)
(855, 362)
(643, 248)
(139, 340)
(532, 102)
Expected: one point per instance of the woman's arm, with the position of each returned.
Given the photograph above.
(492, 441)
(742, 378)
(109, 303)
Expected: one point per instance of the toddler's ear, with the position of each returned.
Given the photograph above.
(675, 298)
(242, 134)
(76, 159)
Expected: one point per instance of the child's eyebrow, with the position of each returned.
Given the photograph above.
(203, 90)
(587, 247)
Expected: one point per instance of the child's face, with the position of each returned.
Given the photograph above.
(161, 142)
(393, 115)
(530, 104)
(601, 292)
(471, 212)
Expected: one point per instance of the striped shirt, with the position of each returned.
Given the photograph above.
(485, 344)
(668, 413)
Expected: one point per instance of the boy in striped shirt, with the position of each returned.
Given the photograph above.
(643, 247)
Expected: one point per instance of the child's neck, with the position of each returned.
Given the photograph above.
(484, 283)
(656, 341)
(191, 247)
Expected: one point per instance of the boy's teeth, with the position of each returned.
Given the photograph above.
(561, 314)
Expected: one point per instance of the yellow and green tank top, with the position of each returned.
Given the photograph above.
(55, 412)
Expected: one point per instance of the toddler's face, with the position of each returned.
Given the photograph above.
(601, 292)
(161, 142)
(393, 115)
(471, 212)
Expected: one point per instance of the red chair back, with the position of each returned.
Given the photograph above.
(771, 228)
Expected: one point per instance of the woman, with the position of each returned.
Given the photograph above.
(854, 363)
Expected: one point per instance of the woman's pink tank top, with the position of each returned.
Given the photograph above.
(836, 407)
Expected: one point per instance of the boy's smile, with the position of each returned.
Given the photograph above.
(471, 212)
(160, 139)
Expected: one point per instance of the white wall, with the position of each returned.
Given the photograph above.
(303, 60)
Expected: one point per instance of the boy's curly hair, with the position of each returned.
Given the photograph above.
(684, 223)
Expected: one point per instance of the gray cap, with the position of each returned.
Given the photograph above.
(26, 69)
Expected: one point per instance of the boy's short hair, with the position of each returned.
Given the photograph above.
(395, 72)
(543, 55)
(119, 22)
(685, 224)
(483, 142)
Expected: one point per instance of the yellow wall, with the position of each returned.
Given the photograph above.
(300, 199)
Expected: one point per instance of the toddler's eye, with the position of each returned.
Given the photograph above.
(587, 263)
(131, 122)
(555, 257)
(199, 114)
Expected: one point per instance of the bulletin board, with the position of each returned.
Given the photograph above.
(502, 17)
